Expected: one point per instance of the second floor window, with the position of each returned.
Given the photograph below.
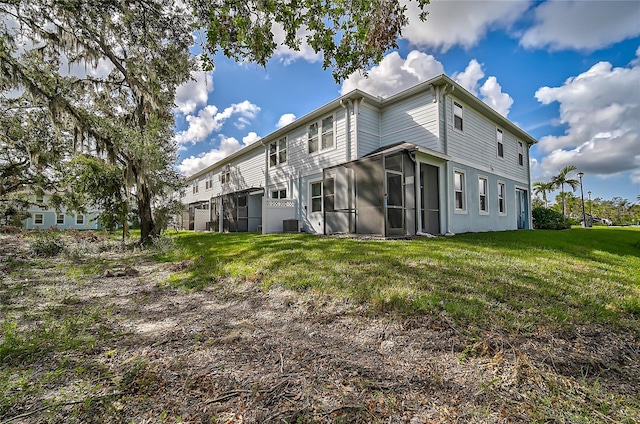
(457, 116)
(225, 177)
(520, 153)
(500, 144)
(320, 136)
(195, 188)
(278, 152)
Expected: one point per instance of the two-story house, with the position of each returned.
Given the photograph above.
(433, 158)
(43, 216)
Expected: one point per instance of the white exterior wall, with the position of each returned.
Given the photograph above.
(413, 120)
(476, 145)
(368, 129)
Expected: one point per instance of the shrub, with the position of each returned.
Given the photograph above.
(10, 229)
(548, 219)
(47, 244)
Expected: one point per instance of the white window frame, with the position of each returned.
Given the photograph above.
(500, 143)
(59, 217)
(278, 193)
(502, 201)
(208, 184)
(462, 190)
(225, 176)
(38, 219)
(461, 116)
(483, 181)
(278, 154)
(312, 197)
(321, 133)
(195, 188)
(520, 153)
(80, 219)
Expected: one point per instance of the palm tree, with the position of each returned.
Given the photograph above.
(561, 179)
(542, 188)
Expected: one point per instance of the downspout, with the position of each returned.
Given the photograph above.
(448, 165)
(356, 113)
(347, 129)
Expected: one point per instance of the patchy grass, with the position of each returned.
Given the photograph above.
(526, 326)
(518, 281)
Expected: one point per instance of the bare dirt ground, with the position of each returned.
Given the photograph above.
(233, 353)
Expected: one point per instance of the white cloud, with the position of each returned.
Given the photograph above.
(228, 146)
(470, 77)
(285, 120)
(288, 55)
(582, 25)
(493, 96)
(394, 74)
(462, 23)
(210, 120)
(250, 138)
(194, 93)
(601, 111)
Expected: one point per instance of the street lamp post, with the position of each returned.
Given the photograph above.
(584, 217)
(590, 209)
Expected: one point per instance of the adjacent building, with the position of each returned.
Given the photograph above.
(432, 159)
(41, 216)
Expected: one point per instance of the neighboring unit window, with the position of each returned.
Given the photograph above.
(279, 194)
(60, 218)
(500, 145)
(208, 184)
(225, 177)
(278, 152)
(79, 219)
(459, 190)
(38, 219)
(316, 197)
(313, 138)
(520, 153)
(195, 188)
(39, 199)
(501, 204)
(321, 135)
(183, 194)
(457, 116)
(482, 189)
(327, 132)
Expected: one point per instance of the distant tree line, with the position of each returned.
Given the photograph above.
(618, 210)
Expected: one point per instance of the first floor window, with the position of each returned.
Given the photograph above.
(482, 189)
(279, 194)
(459, 190)
(38, 219)
(457, 116)
(501, 204)
(79, 219)
(60, 218)
(316, 197)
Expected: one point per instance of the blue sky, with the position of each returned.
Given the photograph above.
(567, 72)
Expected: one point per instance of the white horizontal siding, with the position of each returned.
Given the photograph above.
(414, 120)
(477, 143)
(368, 130)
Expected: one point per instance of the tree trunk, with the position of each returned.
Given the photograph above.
(147, 226)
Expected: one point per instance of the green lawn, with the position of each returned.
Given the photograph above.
(516, 281)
